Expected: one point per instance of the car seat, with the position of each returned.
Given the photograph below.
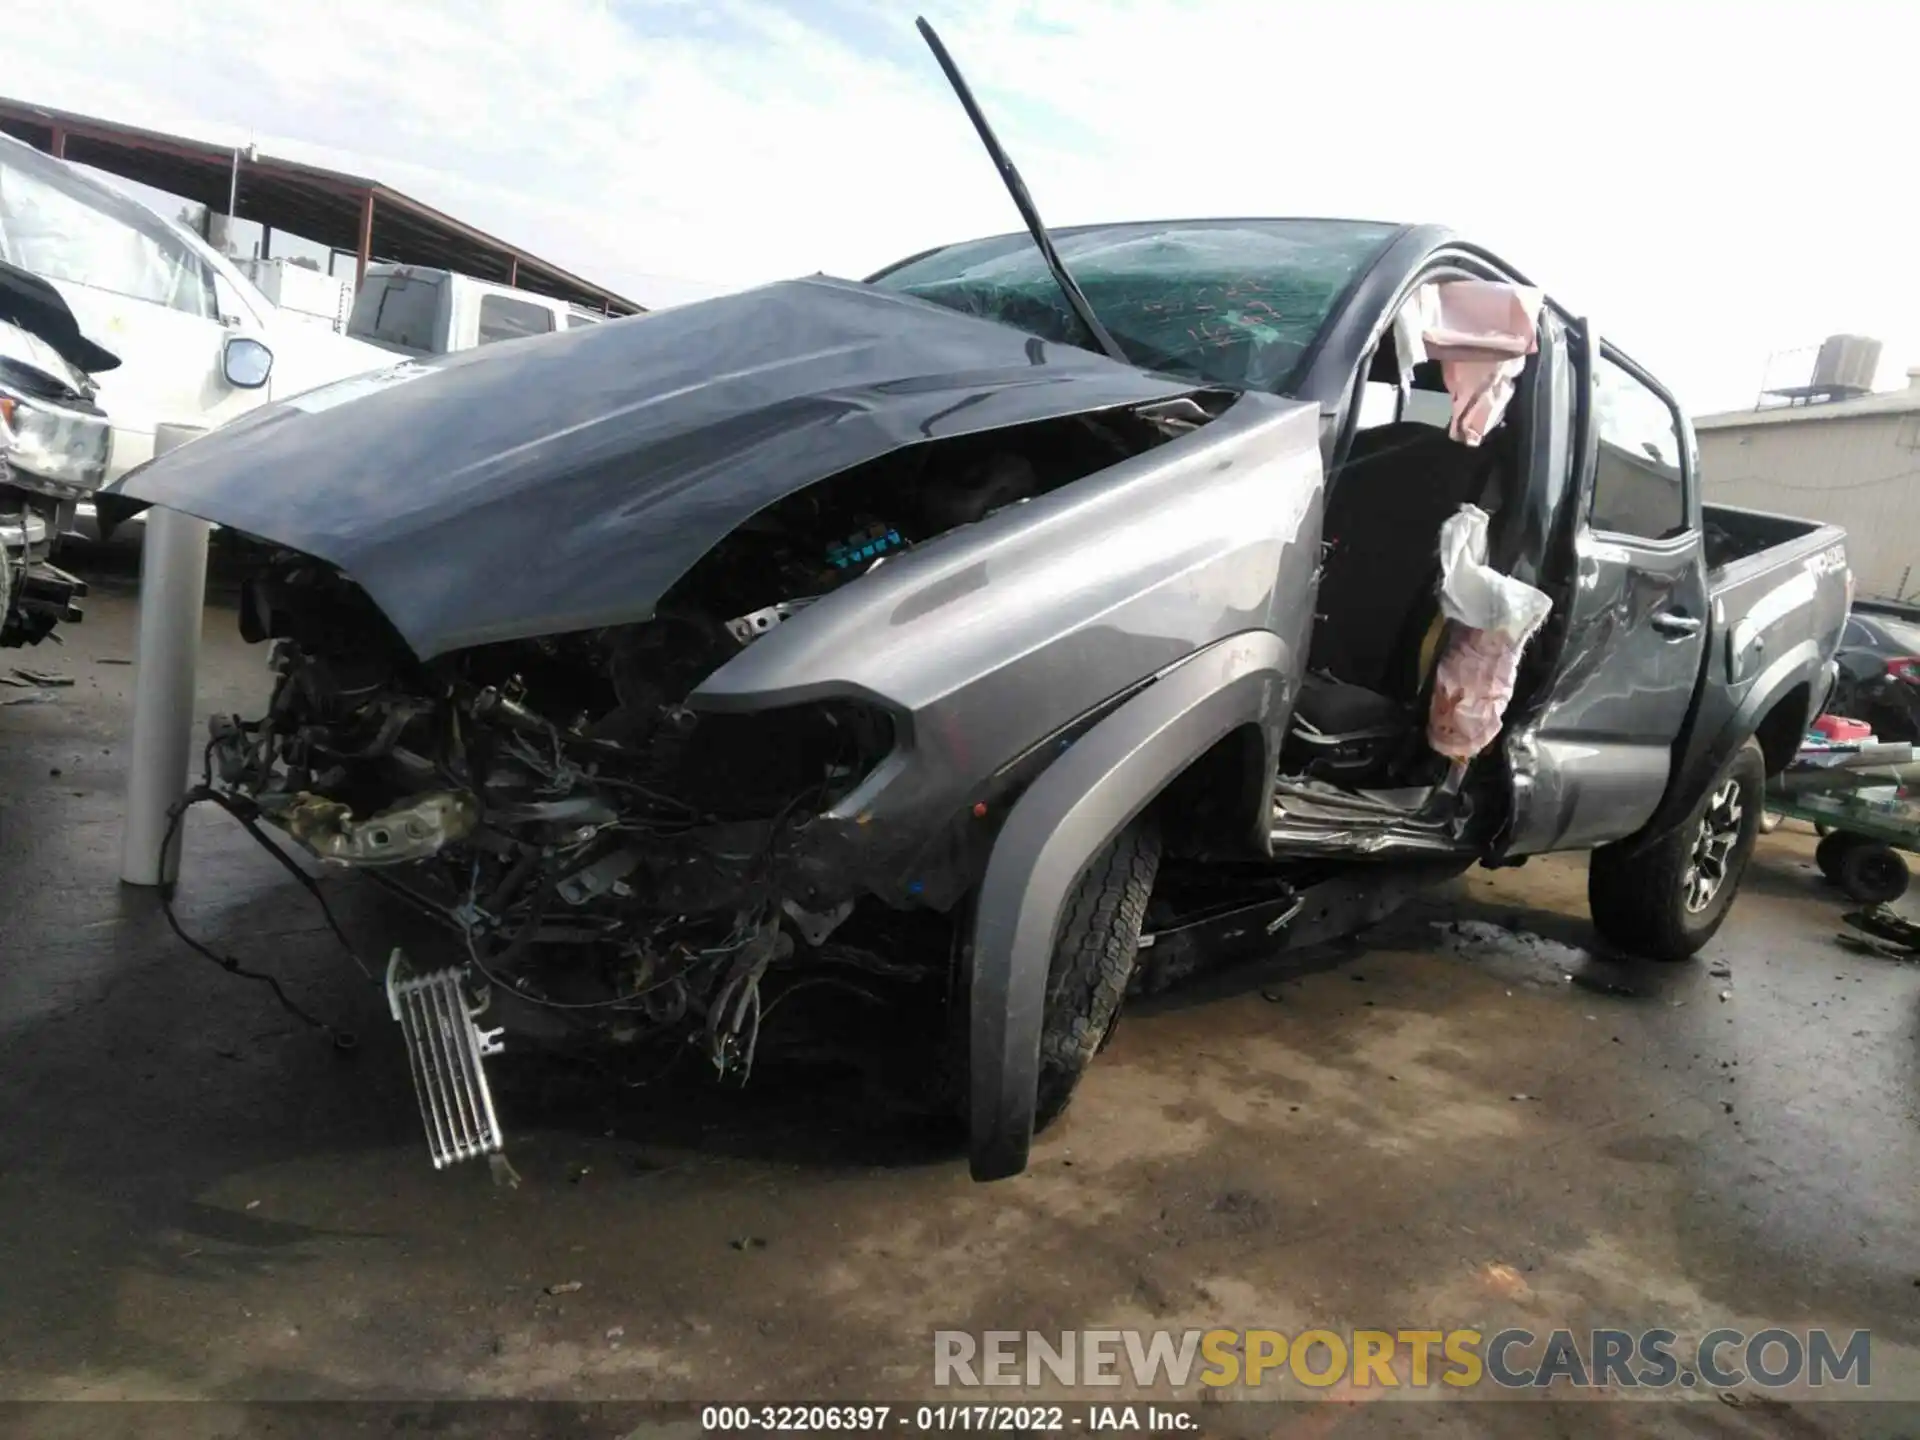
(1378, 623)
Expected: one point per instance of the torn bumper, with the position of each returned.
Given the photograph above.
(35, 596)
(23, 535)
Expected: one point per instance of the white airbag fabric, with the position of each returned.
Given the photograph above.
(1481, 332)
(1492, 617)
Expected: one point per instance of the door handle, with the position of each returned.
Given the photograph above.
(1672, 622)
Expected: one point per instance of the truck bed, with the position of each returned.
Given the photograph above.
(1733, 535)
(1776, 585)
(1778, 595)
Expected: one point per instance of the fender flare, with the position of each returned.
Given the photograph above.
(1064, 819)
(1703, 760)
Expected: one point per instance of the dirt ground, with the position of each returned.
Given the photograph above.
(200, 1200)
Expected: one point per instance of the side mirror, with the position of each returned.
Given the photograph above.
(246, 362)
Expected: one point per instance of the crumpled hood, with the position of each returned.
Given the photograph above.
(568, 481)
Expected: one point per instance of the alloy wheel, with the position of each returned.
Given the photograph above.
(1713, 843)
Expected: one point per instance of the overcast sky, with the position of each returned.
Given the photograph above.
(1712, 182)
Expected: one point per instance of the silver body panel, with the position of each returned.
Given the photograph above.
(1191, 568)
(1599, 758)
(994, 637)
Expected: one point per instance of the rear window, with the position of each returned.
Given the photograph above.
(575, 319)
(1230, 302)
(504, 318)
(400, 310)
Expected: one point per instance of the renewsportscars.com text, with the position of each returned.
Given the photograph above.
(1416, 1359)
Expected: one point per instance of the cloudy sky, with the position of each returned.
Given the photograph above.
(1713, 182)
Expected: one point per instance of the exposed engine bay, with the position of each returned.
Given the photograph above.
(612, 859)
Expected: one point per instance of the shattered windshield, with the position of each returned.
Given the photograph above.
(1230, 302)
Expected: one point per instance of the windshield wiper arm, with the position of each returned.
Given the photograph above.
(1023, 202)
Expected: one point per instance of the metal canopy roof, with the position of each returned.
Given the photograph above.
(347, 212)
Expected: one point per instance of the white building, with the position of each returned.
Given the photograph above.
(1854, 462)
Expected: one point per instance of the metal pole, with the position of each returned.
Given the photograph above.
(173, 588)
(233, 186)
(366, 241)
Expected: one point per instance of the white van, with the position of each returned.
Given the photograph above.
(198, 343)
(417, 311)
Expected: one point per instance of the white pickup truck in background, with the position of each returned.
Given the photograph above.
(417, 311)
(198, 343)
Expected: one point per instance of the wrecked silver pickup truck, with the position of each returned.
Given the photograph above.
(1039, 618)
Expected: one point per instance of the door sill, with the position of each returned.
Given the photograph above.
(1311, 817)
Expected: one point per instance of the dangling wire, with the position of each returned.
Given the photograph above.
(176, 815)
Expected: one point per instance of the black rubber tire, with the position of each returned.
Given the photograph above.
(1873, 873)
(1637, 898)
(1831, 850)
(1092, 962)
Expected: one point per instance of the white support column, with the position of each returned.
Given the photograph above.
(173, 591)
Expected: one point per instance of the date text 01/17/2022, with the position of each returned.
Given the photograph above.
(985, 1419)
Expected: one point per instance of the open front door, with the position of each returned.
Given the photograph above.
(1593, 762)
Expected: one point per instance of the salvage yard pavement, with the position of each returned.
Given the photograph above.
(20, 686)
(1467, 1118)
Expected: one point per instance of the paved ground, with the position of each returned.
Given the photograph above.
(199, 1200)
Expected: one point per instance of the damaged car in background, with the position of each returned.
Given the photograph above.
(1034, 623)
(55, 442)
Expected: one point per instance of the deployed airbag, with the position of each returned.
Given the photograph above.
(1481, 332)
(1492, 616)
